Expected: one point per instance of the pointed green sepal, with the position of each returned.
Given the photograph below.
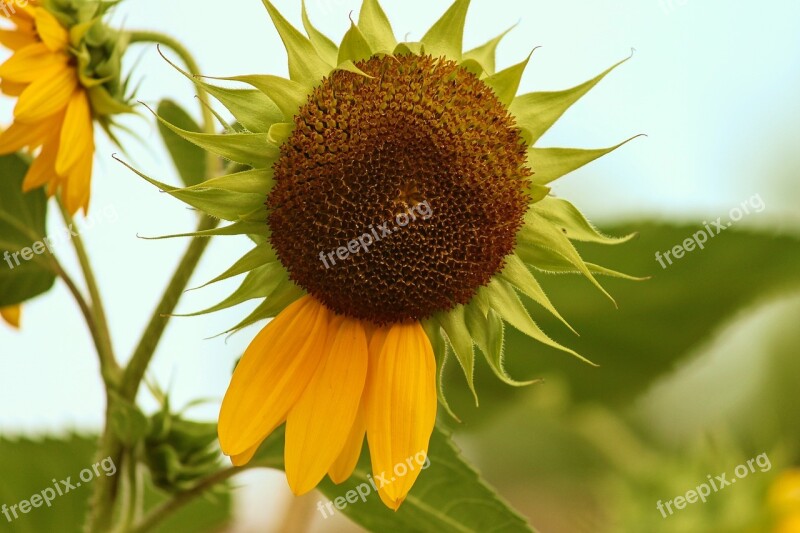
(537, 112)
(455, 328)
(506, 303)
(488, 332)
(550, 164)
(375, 26)
(446, 37)
(288, 95)
(441, 353)
(354, 47)
(326, 48)
(573, 223)
(539, 237)
(255, 258)
(486, 55)
(506, 83)
(518, 275)
(305, 64)
(285, 295)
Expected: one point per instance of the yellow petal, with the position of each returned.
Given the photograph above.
(42, 170)
(15, 40)
(12, 314)
(244, 458)
(32, 63)
(10, 88)
(47, 96)
(272, 374)
(401, 409)
(19, 136)
(54, 36)
(77, 183)
(319, 425)
(344, 465)
(76, 133)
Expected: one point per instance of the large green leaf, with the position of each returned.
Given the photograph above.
(449, 496)
(189, 159)
(24, 274)
(29, 467)
(659, 322)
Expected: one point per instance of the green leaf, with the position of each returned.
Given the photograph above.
(375, 25)
(506, 83)
(30, 466)
(455, 327)
(449, 494)
(486, 55)
(127, 421)
(189, 159)
(23, 219)
(446, 37)
(537, 112)
(326, 48)
(305, 65)
(354, 46)
(550, 164)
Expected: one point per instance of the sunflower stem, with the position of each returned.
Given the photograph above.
(109, 366)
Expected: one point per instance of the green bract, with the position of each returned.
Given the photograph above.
(264, 108)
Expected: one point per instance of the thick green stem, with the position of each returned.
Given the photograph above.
(106, 489)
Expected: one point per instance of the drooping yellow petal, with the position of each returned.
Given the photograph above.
(344, 465)
(77, 185)
(46, 96)
(52, 33)
(401, 410)
(19, 136)
(244, 458)
(31, 63)
(10, 88)
(42, 170)
(15, 40)
(319, 425)
(76, 133)
(12, 315)
(272, 375)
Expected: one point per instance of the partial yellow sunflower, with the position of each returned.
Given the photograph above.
(12, 315)
(784, 501)
(399, 207)
(65, 74)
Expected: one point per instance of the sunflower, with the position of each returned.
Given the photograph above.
(399, 207)
(12, 315)
(64, 73)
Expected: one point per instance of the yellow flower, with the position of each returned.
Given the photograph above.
(407, 207)
(784, 500)
(12, 315)
(55, 80)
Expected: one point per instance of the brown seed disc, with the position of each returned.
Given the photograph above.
(423, 139)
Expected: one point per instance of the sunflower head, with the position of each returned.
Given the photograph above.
(400, 206)
(66, 73)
